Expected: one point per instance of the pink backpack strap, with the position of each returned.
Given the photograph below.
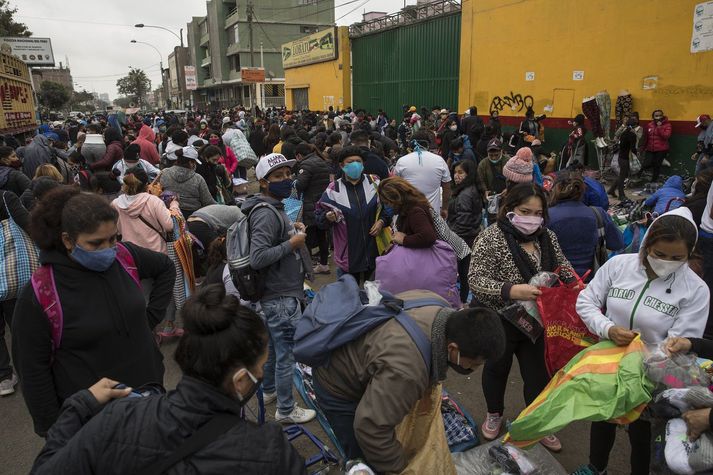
(127, 262)
(48, 298)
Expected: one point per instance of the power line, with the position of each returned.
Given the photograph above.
(353, 10)
(317, 12)
(147, 68)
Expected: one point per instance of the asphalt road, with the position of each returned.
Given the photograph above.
(19, 445)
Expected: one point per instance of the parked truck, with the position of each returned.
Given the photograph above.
(18, 115)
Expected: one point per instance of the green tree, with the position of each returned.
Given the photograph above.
(8, 25)
(134, 85)
(81, 99)
(53, 95)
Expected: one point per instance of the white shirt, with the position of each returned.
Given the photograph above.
(425, 174)
(706, 221)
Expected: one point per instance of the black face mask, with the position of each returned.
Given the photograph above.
(458, 368)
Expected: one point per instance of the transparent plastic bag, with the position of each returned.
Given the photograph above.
(491, 458)
(541, 279)
(674, 371)
(372, 292)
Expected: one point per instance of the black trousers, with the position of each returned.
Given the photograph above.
(318, 237)
(7, 307)
(654, 161)
(601, 441)
(463, 266)
(530, 357)
(623, 175)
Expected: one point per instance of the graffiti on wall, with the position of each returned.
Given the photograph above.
(515, 102)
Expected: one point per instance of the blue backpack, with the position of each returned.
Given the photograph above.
(339, 314)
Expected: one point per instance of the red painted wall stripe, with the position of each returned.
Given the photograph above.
(680, 127)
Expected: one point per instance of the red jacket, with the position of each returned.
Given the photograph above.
(114, 153)
(657, 136)
(148, 147)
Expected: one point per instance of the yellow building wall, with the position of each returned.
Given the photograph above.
(643, 46)
(329, 83)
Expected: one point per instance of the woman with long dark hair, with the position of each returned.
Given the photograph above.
(272, 138)
(505, 257)
(465, 214)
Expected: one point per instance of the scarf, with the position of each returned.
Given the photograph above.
(513, 237)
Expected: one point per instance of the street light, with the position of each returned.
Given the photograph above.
(159, 55)
(141, 25)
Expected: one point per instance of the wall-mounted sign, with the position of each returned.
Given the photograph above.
(33, 51)
(315, 48)
(252, 74)
(702, 37)
(577, 75)
(191, 81)
(530, 76)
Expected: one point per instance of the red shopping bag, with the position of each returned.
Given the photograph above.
(565, 332)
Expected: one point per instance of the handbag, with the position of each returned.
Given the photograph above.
(565, 332)
(20, 257)
(384, 238)
(155, 188)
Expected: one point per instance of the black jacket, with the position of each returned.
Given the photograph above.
(129, 434)
(465, 213)
(13, 180)
(106, 332)
(312, 180)
(289, 147)
(257, 142)
(374, 164)
(473, 127)
(18, 212)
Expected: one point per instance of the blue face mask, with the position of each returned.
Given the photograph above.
(280, 189)
(98, 261)
(353, 170)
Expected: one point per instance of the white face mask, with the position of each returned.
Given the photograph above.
(664, 268)
(453, 127)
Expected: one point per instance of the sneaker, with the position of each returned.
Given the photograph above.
(268, 398)
(297, 416)
(552, 443)
(7, 386)
(491, 426)
(170, 331)
(588, 470)
(321, 269)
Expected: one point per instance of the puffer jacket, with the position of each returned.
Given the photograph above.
(465, 213)
(669, 196)
(36, 154)
(14, 180)
(384, 372)
(190, 186)
(129, 434)
(312, 180)
(657, 136)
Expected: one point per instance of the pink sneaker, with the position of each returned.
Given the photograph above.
(491, 426)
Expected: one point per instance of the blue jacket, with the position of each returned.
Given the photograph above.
(672, 189)
(575, 225)
(595, 194)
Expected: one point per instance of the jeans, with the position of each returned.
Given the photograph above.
(7, 307)
(601, 441)
(282, 315)
(340, 414)
(531, 358)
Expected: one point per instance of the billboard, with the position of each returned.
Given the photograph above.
(252, 74)
(33, 51)
(315, 48)
(191, 81)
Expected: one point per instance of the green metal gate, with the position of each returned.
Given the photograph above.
(412, 65)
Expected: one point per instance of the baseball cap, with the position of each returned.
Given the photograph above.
(701, 118)
(271, 162)
(412, 109)
(495, 144)
(443, 111)
(191, 152)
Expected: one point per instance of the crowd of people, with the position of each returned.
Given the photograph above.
(126, 224)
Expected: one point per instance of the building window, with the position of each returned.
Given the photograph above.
(235, 62)
(274, 90)
(307, 2)
(308, 29)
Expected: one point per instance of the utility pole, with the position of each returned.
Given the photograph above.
(250, 14)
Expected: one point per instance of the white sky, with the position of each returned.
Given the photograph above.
(96, 35)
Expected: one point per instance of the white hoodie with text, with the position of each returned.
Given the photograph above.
(673, 305)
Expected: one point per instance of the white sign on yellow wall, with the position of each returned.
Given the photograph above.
(315, 48)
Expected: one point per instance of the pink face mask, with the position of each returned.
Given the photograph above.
(214, 141)
(525, 224)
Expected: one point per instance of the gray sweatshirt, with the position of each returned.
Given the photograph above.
(270, 249)
(219, 217)
(191, 188)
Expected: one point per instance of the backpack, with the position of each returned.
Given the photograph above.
(339, 314)
(249, 282)
(47, 296)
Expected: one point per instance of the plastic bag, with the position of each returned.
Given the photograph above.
(523, 321)
(634, 165)
(541, 279)
(534, 461)
(372, 292)
(675, 371)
